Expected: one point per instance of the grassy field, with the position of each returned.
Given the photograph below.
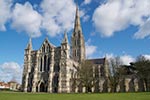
(45, 96)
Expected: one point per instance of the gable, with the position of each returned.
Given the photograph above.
(46, 46)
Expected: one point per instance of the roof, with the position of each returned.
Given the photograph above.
(12, 82)
(97, 61)
(4, 84)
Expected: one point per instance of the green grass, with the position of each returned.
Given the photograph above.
(100, 96)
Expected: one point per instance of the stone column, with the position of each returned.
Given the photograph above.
(60, 83)
(42, 63)
(50, 80)
(76, 90)
(64, 77)
(47, 63)
(127, 80)
(26, 83)
(34, 82)
(68, 77)
(136, 85)
(27, 70)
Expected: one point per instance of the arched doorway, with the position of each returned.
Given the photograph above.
(42, 87)
(55, 83)
(37, 89)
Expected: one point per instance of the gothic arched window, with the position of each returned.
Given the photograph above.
(41, 65)
(47, 49)
(76, 42)
(44, 63)
(43, 48)
(48, 67)
(56, 68)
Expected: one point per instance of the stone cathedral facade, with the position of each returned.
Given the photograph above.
(51, 68)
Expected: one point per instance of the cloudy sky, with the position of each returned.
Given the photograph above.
(111, 27)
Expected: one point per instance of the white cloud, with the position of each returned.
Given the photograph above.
(147, 56)
(25, 18)
(53, 16)
(58, 15)
(90, 49)
(117, 15)
(86, 18)
(9, 71)
(110, 56)
(86, 2)
(144, 30)
(127, 59)
(82, 12)
(4, 13)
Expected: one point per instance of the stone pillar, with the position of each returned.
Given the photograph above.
(84, 89)
(131, 85)
(46, 67)
(60, 83)
(50, 80)
(42, 63)
(76, 90)
(34, 82)
(68, 74)
(25, 88)
(127, 85)
(122, 85)
(136, 85)
(64, 77)
(64, 74)
(106, 67)
(27, 69)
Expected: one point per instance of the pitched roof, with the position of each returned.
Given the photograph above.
(97, 61)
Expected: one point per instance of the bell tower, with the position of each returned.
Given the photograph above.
(77, 40)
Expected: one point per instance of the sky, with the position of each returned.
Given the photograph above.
(110, 27)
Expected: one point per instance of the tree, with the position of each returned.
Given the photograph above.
(142, 66)
(86, 76)
(115, 73)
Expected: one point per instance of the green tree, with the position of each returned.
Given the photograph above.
(142, 66)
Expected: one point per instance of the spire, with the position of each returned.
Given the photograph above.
(46, 37)
(29, 46)
(65, 40)
(77, 26)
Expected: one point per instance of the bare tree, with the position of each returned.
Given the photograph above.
(86, 76)
(115, 73)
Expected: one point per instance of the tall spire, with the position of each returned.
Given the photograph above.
(29, 46)
(77, 40)
(77, 26)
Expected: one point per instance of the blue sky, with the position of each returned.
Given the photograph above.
(111, 27)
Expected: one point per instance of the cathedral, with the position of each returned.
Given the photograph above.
(51, 69)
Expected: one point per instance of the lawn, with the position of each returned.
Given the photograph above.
(100, 96)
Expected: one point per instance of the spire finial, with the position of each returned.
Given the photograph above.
(65, 40)
(46, 37)
(77, 25)
(29, 46)
(77, 3)
(30, 40)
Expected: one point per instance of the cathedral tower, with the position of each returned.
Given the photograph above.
(64, 74)
(27, 66)
(77, 40)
